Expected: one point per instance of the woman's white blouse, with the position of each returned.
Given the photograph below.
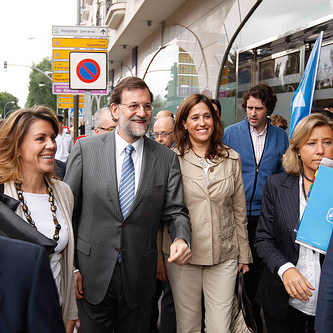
(41, 214)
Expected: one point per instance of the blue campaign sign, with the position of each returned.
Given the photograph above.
(88, 70)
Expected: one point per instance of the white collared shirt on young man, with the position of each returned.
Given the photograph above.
(258, 141)
(137, 155)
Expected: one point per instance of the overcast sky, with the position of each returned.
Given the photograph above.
(26, 38)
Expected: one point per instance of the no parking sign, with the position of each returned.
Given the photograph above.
(87, 70)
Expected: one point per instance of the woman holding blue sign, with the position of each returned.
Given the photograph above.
(288, 289)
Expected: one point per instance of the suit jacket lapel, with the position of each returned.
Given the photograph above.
(148, 165)
(108, 154)
(289, 199)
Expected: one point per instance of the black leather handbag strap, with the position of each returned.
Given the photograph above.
(2, 189)
(244, 304)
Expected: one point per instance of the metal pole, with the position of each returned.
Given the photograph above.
(36, 69)
(76, 116)
(4, 109)
(87, 112)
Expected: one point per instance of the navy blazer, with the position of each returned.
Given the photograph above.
(29, 300)
(324, 314)
(275, 240)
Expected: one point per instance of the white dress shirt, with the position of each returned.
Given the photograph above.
(258, 141)
(64, 146)
(137, 155)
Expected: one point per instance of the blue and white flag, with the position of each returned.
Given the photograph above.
(301, 103)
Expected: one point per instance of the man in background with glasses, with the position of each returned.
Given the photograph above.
(103, 121)
(163, 131)
(125, 185)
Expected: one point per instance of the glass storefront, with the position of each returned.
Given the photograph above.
(273, 47)
(177, 70)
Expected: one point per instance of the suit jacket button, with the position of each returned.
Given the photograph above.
(124, 225)
(211, 169)
(117, 249)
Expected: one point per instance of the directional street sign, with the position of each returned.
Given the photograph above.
(87, 70)
(63, 89)
(60, 54)
(68, 105)
(60, 66)
(80, 31)
(69, 100)
(60, 77)
(89, 43)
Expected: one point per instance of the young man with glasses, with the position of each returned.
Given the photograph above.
(125, 185)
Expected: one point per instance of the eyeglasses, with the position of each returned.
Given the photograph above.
(109, 129)
(148, 107)
(163, 134)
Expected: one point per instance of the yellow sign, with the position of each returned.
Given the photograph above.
(60, 77)
(68, 106)
(188, 80)
(58, 54)
(185, 58)
(89, 43)
(69, 100)
(60, 66)
(186, 69)
(224, 81)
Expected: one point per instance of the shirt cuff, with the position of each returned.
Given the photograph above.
(283, 268)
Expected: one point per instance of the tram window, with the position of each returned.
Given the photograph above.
(282, 73)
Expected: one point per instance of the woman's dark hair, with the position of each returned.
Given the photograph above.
(129, 83)
(263, 92)
(216, 148)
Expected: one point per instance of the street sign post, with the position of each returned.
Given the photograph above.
(75, 75)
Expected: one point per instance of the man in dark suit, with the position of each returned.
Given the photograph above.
(29, 300)
(324, 314)
(116, 225)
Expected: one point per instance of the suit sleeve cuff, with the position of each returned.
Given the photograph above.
(283, 268)
(188, 244)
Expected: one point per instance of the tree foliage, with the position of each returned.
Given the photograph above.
(40, 91)
(5, 101)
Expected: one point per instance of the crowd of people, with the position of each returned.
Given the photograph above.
(175, 216)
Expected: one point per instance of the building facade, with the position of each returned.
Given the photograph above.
(216, 47)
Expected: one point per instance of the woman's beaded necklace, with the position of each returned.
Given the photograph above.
(303, 187)
(27, 213)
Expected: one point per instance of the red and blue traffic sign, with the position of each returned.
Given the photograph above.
(88, 70)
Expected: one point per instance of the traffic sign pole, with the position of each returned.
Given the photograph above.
(76, 116)
(87, 112)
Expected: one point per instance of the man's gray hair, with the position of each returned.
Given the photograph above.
(98, 117)
(172, 120)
